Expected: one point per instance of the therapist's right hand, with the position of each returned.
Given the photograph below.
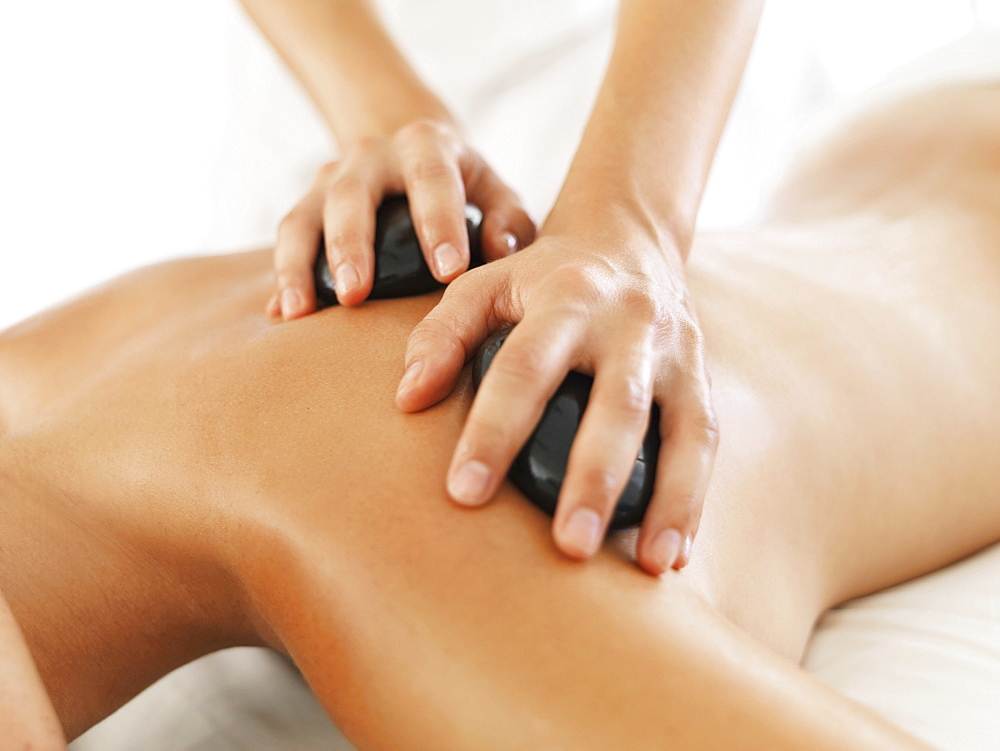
(434, 166)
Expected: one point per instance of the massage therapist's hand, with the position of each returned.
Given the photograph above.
(604, 296)
(431, 163)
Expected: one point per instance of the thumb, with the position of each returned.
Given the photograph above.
(440, 345)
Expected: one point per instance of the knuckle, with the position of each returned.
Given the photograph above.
(344, 185)
(639, 305)
(708, 426)
(433, 230)
(365, 147)
(490, 438)
(681, 508)
(344, 239)
(701, 420)
(633, 398)
(527, 362)
(417, 130)
(290, 277)
(493, 433)
(430, 334)
(527, 225)
(432, 171)
(468, 283)
(602, 484)
(572, 281)
(476, 173)
(328, 170)
(689, 333)
(294, 221)
(459, 286)
(475, 297)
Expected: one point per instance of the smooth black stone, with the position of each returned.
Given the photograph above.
(400, 268)
(540, 466)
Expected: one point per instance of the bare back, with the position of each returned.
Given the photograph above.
(852, 343)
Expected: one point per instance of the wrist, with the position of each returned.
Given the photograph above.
(349, 65)
(615, 217)
(620, 194)
(384, 117)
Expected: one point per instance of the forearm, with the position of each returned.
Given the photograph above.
(349, 65)
(660, 112)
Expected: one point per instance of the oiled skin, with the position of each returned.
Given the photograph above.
(240, 481)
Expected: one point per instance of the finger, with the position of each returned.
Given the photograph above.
(506, 227)
(522, 378)
(690, 438)
(273, 308)
(472, 307)
(351, 199)
(436, 192)
(294, 253)
(604, 451)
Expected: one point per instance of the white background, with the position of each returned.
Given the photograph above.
(132, 131)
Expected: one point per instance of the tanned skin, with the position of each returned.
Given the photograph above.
(180, 474)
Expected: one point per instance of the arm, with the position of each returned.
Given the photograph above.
(27, 718)
(92, 612)
(656, 124)
(605, 291)
(155, 514)
(112, 596)
(352, 70)
(395, 137)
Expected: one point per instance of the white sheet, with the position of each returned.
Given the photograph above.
(926, 655)
(152, 129)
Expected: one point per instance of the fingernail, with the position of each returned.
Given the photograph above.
(664, 548)
(409, 377)
(291, 302)
(468, 484)
(447, 258)
(347, 278)
(685, 555)
(509, 241)
(582, 531)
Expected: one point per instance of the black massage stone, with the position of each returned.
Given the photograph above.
(539, 468)
(400, 268)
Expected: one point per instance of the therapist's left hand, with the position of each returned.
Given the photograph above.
(604, 296)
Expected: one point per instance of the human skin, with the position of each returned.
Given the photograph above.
(181, 475)
(626, 228)
(27, 718)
